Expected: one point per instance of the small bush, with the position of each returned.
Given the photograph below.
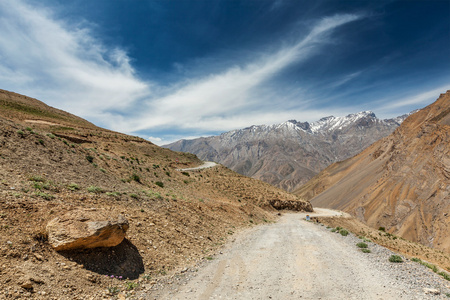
(362, 245)
(94, 189)
(37, 178)
(45, 196)
(343, 232)
(395, 259)
(160, 184)
(52, 136)
(20, 132)
(113, 194)
(90, 158)
(135, 196)
(73, 187)
(364, 250)
(103, 170)
(382, 229)
(130, 285)
(41, 142)
(333, 230)
(186, 174)
(417, 260)
(136, 178)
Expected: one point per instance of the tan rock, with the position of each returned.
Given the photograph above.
(82, 229)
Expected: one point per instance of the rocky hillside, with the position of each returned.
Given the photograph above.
(287, 155)
(58, 169)
(401, 182)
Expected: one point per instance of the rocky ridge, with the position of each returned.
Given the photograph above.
(287, 155)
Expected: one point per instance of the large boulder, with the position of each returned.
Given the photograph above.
(86, 228)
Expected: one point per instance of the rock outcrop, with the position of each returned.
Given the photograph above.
(83, 229)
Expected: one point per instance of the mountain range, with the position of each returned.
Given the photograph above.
(287, 155)
(400, 183)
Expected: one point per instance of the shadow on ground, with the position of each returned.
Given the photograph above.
(122, 260)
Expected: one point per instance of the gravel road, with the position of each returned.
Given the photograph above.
(296, 259)
(207, 164)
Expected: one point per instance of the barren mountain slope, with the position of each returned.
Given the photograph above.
(287, 155)
(52, 162)
(401, 182)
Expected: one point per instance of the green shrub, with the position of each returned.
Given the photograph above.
(73, 187)
(333, 230)
(186, 174)
(45, 196)
(136, 178)
(37, 178)
(395, 259)
(362, 245)
(417, 260)
(52, 136)
(343, 232)
(20, 132)
(90, 158)
(364, 250)
(135, 196)
(94, 189)
(160, 184)
(382, 229)
(41, 142)
(113, 194)
(29, 129)
(130, 285)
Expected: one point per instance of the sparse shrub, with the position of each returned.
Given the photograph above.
(20, 132)
(365, 250)
(135, 196)
(73, 187)
(41, 142)
(113, 290)
(90, 158)
(52, 136)
(445, 275)
(186, 174)
(395, 259)
(362, 245)
(382, 229)
(45, 196)
(94, 189)
(66, 142)
(136, 178)
(343, 232)
(103, 170)
(168, 173)
(160, 184)
(155, 166)
(130, 285)
(113, 194)
(209, 258)
(37, 178)
(333, 230)
(185, 181)
(29, 129)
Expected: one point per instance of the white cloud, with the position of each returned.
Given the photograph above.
(62, 63)
(66, 67)
(219, 100)
(410, 101)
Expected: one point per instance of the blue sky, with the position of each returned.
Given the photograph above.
(167, 70)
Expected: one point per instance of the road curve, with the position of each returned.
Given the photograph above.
(207, 164)
(296, 259)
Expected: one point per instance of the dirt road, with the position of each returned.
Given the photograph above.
(296, 259)
(207, 164)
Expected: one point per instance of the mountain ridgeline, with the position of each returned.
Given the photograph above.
(401, 182)
(287, 155)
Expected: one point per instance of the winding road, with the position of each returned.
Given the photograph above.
(207, 164)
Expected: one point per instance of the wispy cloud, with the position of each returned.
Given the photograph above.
(219, 100)
(65, 66)
(62, 63)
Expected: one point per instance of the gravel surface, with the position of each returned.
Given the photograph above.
(296, 259)
(207, 164)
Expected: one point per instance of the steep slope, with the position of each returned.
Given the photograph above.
(287, 155)
(401, 182)
(52, 162)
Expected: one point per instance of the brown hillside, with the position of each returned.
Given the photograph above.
(52, 162)
(401, 182)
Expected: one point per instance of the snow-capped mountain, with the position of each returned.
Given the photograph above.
(290, 153)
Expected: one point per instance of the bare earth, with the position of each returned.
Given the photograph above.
(206, 165)
(296, 259)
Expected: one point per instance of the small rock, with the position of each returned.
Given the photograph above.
(184, 270)
(431, 291)
(27, 285)
(38, 256)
